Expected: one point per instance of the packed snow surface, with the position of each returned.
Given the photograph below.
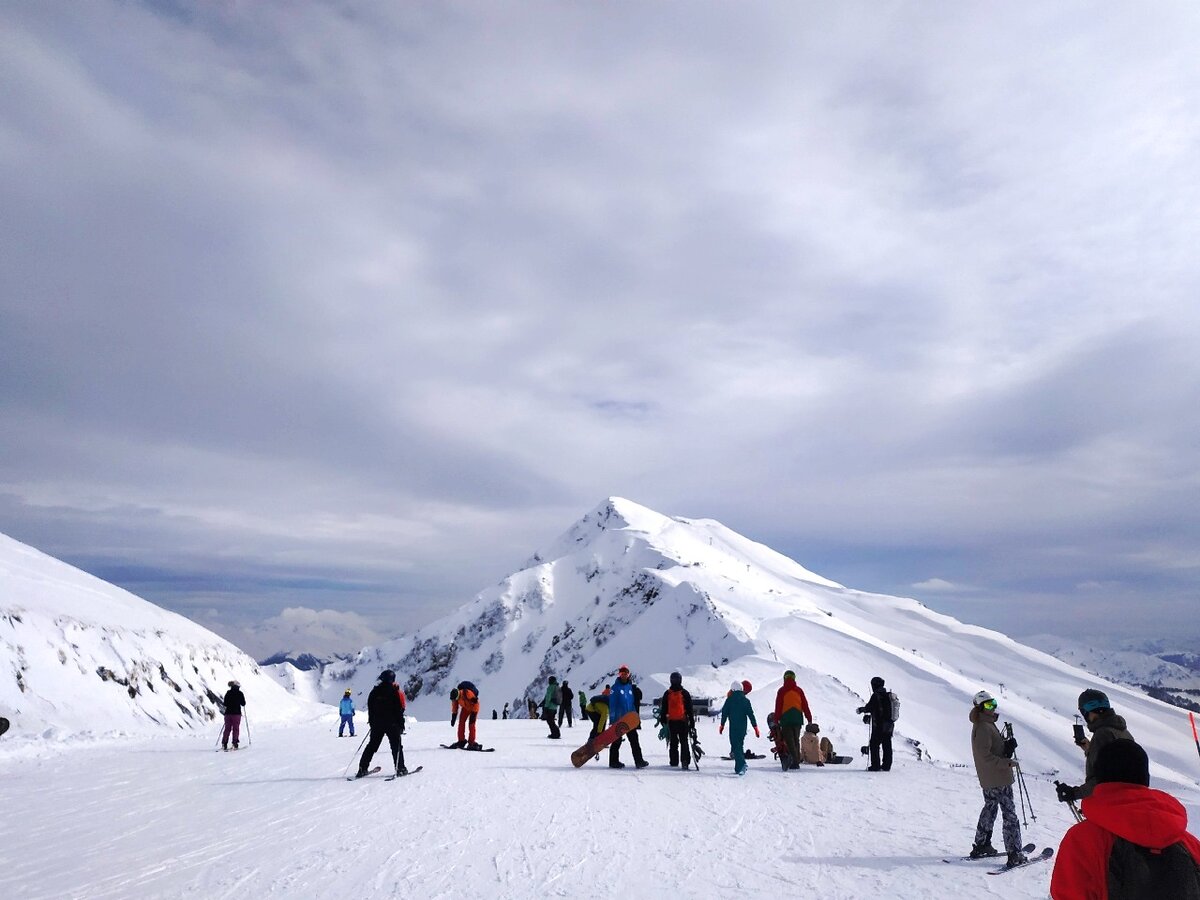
(168, 817)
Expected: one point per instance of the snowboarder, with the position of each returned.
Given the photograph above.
(550, 707)
(385, 717)
(1125, 817)
(791, 708)
(878, 714)
(675, 711)
(583, 701)
(346, 710)
(994, 767)
(737, 711)
(626, 697)
(810, 746)
(467, 705)
(1106, 726)
(597, 712)
(504, 712)
(567, 707)
(234, 702)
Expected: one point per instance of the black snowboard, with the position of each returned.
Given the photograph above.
(3, 724)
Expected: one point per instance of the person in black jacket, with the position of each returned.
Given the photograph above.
(385, 716)
(878, 712)
(675, 709)
(234, 702)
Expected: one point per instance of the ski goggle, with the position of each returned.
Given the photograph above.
(1093, 705)
(989, 705)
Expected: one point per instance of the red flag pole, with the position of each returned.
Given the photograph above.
(1192, 719)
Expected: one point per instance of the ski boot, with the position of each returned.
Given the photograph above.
(980, 851)
(1016, 858)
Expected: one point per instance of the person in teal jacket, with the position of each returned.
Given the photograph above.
(737, 712)
(346, 708)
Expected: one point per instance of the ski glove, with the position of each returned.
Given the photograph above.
(453, 717)
(867, 719)
(756, 732)
(1010, 747)
(721, 730)
(1065, 792)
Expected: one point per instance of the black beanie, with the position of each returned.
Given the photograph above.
(1122, 761)
(876, 683)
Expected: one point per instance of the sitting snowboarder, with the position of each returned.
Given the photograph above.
(810, 746)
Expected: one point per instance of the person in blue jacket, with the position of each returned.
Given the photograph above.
(738, 713)
(346, 708)
(626, 697)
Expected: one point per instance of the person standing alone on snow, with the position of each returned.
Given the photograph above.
(346, 710)
(385, 717)
(466, 699)
(234, 702)
(675, 710)
(737, 711)
(625, 697)
(550, 707)
(791, 706)
(878, 713)
(566, 706)
(994, 766)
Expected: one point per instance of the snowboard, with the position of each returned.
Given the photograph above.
(472, 749)
(370, 771)
(1027, 849)
(778, 745)
(608, 736)
(405, 775)
(748, 754)
(3, 724)
(1041, 857)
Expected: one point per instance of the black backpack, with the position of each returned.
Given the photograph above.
(1136, 872)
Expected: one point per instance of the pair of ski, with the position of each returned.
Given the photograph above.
(1027, 849)
(377, 769)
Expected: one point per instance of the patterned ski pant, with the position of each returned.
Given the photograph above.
(999, 798)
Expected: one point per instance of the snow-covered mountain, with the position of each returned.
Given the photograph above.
(80, 655)
(1127, 666)
(627, 585)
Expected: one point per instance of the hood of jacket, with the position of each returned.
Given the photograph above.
(1110, 720)
(979, 714)
(1139, 814)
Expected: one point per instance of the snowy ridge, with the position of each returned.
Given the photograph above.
(79, 655)
(626, 585)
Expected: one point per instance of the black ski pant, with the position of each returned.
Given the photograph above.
(999, 799)
(568, 711)
(377, 735)
(614, 752)
(881, 740)
(678, 746)
(791, 740)
(549, 713)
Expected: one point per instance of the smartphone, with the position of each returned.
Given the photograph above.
(1080, 737)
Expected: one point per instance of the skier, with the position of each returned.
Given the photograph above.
(1106, 726)
(567, 706)
(504, 712)
(791, 708)
(878, 714)
(675, 710)
(550, 708)
(994, 767)
(737, 711)
(1125, 817)
(626, 697)
(467, 700)
(597, 712)
(234, 702)
(810, 746)
(385, 717)
(346, 709)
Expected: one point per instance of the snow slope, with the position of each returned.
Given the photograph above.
(278, 821)
(627, 585)
(79, 655)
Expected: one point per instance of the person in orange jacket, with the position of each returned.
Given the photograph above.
(466, 707)
(791, 709)
(1105, 855)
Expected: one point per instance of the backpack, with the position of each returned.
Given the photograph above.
(675, 710)
(895, 702)
(1141, 873)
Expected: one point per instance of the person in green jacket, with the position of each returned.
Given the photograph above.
(737, 712)
(550, 707)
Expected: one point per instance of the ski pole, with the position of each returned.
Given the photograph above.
(356, 753)
(1075, 810)
(1192, 719)
(246, 722)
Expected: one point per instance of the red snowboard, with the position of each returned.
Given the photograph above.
(609, 735)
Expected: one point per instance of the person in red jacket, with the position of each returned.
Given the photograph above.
(1095, 857)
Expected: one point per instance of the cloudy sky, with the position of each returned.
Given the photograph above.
(326, 315)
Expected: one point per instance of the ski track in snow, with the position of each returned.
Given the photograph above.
(169, 817)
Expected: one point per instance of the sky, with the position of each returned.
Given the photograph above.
(320, 317)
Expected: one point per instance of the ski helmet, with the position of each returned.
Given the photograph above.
(789, 675)
(1092, 700)
(387, 676)
(736, 686)
(676, 679)
(347, 692)
(876, 683)
(981, 698)
(234, 683)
